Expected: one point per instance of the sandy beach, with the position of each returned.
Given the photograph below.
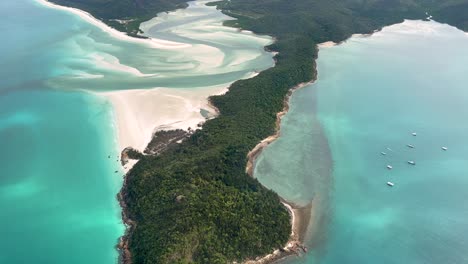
(140, 113)
(155, 43)
(327, 44)
(300, 219)
(300, 215)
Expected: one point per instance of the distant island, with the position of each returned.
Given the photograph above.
(194, 202)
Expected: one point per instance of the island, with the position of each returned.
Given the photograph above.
(195, 202)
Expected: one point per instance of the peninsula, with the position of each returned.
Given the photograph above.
(194, 202)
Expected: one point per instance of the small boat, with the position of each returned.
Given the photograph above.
(411, 162)
(410, 146)
(444, 148)
(390, 184)
(389, 167)
(383, 153)
(414, 134)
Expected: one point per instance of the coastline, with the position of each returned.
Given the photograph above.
(300, 216)
(134, 109)
(137, 103)
(137, 109)
(135, 112)
(154, 43)
(329, 44)
(136, 123)
(125, 256)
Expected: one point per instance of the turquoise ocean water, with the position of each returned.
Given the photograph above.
(372, 93)
(57, 185)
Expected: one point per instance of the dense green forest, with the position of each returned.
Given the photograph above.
(194, 203)
(127, 15)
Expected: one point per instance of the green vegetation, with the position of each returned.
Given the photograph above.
(226, 215)
(124, 15)
(132, 13)
(453, 12)
(194, 203)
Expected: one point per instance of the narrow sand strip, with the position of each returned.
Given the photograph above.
(154, 43)
(300, 216)
(327, 44)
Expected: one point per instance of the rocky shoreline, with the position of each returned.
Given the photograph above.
(161, 141)
(125, 256)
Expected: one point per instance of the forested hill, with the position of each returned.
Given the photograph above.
(133, 12)
(321, 19)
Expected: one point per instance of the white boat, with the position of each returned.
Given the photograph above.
(410, 146)
(411, 162)
(383, 153)
(390, 184)
(414, 134)
(389, 167)
(444, 148)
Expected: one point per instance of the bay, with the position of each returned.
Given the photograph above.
(372, 93)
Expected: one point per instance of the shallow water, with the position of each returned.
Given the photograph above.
(58, 186)
(371, 94)
(205, 53)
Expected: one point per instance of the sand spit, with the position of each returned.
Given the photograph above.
(154, 43)
(140, 113)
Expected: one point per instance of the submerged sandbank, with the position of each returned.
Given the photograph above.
(193, 46)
